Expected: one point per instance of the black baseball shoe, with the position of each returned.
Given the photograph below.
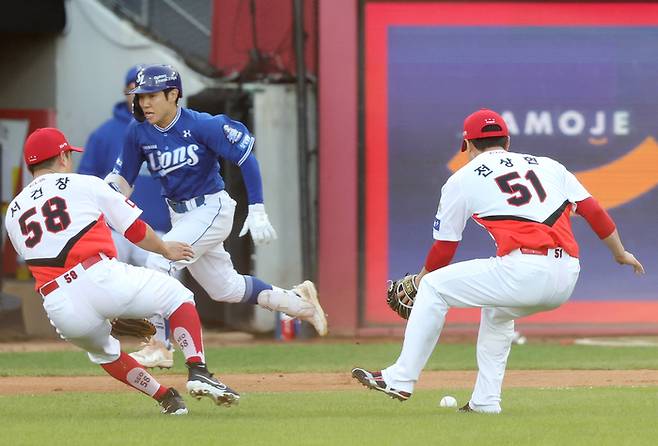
(466, 408)
(172, 403)
(200, 382)
(374, 380)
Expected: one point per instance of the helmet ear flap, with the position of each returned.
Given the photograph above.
(138, 113)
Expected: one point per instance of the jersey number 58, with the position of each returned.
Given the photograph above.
(55, 216)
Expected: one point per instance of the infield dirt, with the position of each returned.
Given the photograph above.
(313, 382)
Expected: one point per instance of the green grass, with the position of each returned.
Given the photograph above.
(298, 357)
(559, 416)
(607, 416)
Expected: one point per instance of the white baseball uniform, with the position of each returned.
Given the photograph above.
(185, 157)
(58, 225)
(524, 202)
(206, 228)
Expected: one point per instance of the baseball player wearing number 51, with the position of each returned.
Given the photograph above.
(182, 148)
(525, 203)
(59, 225)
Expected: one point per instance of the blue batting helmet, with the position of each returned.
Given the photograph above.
(131, 74)
(153, 78)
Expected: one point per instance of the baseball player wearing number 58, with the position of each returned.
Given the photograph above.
(525, 203)
(182, 148)
(59, 225)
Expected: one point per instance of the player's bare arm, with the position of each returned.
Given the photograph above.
(420, 275)
(603, 225)
(623, 257)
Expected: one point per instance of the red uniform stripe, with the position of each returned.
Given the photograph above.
(97, 239)
(514, 234)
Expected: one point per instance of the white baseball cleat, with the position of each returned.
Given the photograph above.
(154, 354)
(306, 290)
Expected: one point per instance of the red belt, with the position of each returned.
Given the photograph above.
(536, 252)
(53, 285)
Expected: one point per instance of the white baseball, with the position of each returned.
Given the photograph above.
(448, 401)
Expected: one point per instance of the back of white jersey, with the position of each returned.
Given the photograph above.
(58, 220)
(518, 198)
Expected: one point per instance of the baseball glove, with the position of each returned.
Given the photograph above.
(401, 294)
(139, 328)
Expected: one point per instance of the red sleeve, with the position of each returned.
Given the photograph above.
(596, 216)
(440, 254)
(136, 232)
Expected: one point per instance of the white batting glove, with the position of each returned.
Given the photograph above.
(259, 225)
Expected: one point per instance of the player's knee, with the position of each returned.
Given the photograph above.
(231, 291)
(225, 286)
(103, 358)
(77, 331)
(103, 352)
(496, 325)
(175, 296)
(185, 296)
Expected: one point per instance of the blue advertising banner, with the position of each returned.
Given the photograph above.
(582, 93)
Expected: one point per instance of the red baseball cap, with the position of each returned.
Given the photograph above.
(476, 122)
(44, 144)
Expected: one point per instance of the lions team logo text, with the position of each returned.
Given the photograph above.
(164, 162)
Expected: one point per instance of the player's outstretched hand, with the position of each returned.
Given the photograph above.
(258, 225)
(178, 251)
(629, 259)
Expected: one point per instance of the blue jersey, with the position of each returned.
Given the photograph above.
(101, 151)
(185, 155)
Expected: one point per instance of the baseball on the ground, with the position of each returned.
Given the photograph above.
(448, 401)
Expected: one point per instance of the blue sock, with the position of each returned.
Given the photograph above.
(253, 287)
(167, 334)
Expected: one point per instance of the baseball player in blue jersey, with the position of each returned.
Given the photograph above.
(182, 148)
(101, 152)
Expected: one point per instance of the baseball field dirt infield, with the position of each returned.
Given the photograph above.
(309, 382)
(556, 392)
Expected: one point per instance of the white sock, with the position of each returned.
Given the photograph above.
(286, 301)
(160, 330)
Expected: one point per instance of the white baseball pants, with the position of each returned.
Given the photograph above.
(206, 228)
(505, 288)
(80, 309)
